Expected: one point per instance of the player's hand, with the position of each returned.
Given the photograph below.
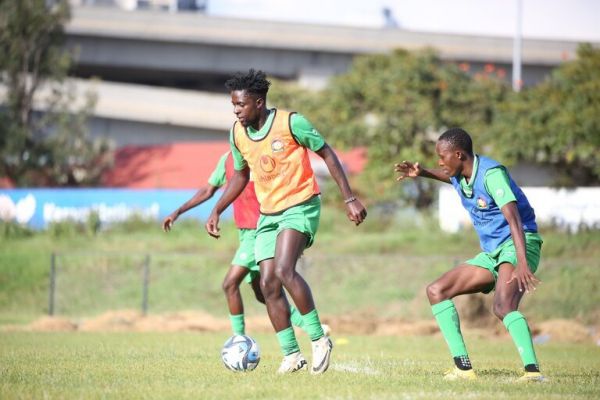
(526, 280)
(407, 170)
(212, 226)
(169, 221)
(356, 212)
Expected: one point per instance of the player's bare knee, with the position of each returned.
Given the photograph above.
(434, 293)
(501, 308)
(269, 288)
(229, 285)
(284, 273)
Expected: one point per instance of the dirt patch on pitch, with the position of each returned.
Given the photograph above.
(563, 330)
(368, 325)
(196, 321)
(476, 320)
(52, 324)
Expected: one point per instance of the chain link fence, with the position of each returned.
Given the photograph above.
(85, 283)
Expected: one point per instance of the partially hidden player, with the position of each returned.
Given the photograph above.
(508, 235)
(243, 266)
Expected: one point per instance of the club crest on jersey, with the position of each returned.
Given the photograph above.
(267, 164)
(481, 203)
(277, 145)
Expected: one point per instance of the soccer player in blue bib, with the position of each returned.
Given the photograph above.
(505, 223)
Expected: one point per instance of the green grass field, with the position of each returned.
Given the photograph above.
(378, 270)
(188, 365)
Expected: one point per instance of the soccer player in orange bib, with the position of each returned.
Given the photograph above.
(272, 145)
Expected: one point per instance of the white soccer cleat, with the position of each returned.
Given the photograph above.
(326, 329)
(321, 349)
(292, 363)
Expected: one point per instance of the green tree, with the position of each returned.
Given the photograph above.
(43, 140)
(557, 123)
(397, 105)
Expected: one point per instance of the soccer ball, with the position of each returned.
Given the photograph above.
(240, 353)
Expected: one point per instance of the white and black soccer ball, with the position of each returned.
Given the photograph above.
(240, 353)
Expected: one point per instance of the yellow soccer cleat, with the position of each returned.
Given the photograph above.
(456, 374)
(531, 377)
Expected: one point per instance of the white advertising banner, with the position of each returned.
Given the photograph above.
(569, 209)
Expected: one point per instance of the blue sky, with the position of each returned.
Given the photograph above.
(577, 20)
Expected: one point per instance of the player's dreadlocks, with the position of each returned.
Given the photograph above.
(459, 139)
(254, 82)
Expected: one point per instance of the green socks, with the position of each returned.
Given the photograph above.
(447, 319)
(238, 325)
(296, 317)
(312, 325)
(309, 322)
(287, 341)
(516, 324)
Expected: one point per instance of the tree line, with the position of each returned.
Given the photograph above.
(50, 148)
(397, 105)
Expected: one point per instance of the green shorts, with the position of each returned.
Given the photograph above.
(506, 253)
(244, 256)
(303, 218)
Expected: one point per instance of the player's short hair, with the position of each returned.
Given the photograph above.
(254, 82)
(459, 139)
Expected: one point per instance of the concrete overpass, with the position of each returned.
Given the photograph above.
(198, 51)
(139, 115)
(136, 52)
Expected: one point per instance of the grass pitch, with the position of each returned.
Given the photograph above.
(188, 365)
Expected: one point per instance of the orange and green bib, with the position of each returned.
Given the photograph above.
(282, 174)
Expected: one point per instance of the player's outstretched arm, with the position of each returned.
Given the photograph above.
(236, 185)
(524, 277)
(355, 211)
(408, 169)
(203, 194)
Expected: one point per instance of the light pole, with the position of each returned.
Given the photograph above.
(517, 81)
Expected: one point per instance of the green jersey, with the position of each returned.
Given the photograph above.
(496, 182)
(218, 177)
